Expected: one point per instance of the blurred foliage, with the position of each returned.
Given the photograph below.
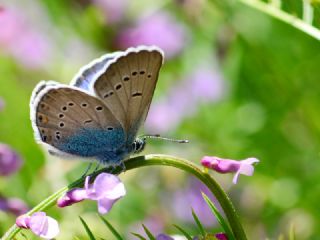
(270, 110)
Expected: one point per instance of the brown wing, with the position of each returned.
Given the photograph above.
(61, 111)
(127, 86)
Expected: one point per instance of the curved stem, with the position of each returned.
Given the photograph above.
(151, 160)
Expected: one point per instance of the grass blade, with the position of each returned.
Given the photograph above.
(85, 225)
(187, 235)
(149, 234)
(138, 236)
(196, 219)
(219, 217)
(111, 228)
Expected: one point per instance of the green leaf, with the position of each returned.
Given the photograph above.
(187, 235)
(85, 225)
(196, 219)
(111, 228)
(138, 236)
(219, 217)
(149, 234)
(304, 23)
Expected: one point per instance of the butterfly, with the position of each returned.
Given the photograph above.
(99, 114)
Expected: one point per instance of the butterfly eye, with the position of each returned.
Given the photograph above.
(70, 104)
(64, 108)
(134, 73)
(61, 124)
(61, 115)
(149, 76)
(84, 105)
(126, 79)
(99, 108)
(142, 72)
(110, 128)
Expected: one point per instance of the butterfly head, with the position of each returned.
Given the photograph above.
(139, 144)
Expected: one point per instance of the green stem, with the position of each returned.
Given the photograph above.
(151, 160)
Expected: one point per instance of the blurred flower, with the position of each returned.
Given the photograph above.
(221, 165)
(163, 237)
(113, 10)
(1, 104)
(18, 39)
(13, 205)
(191, 197)
(202, 86)
(159, 29)
(10, 161)
(154, 223)
(106, 190)
(166, 237)
(221, 236)
(40, 224)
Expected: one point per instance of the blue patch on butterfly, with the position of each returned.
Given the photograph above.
(109, 146)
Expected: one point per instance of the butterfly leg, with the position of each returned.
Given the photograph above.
(87, 170)
(123, 167)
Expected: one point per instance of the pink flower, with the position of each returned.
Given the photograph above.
(221, 236)
(20, 40)
(106, 190)
(221, 165)
(10, 161)
(73, 196)
(40, 224)
(159, 29)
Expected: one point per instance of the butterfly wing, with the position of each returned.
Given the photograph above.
(90, 72)
(127, 85)
(73, 121)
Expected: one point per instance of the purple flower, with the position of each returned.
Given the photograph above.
(201, 86)
(13, 205)
(106, 190)
(40, 224)
(73, 196)
(10, 161)
(190, 197)
(113, 10)
(163, 237)
(159, 29)
(221, 236)
(221, 165)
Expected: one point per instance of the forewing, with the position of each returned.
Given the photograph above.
(69, 119)
(128, 84)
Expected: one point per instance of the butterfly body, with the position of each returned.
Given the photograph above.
(99, 114)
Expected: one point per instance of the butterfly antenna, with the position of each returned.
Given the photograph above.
(157, 136)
